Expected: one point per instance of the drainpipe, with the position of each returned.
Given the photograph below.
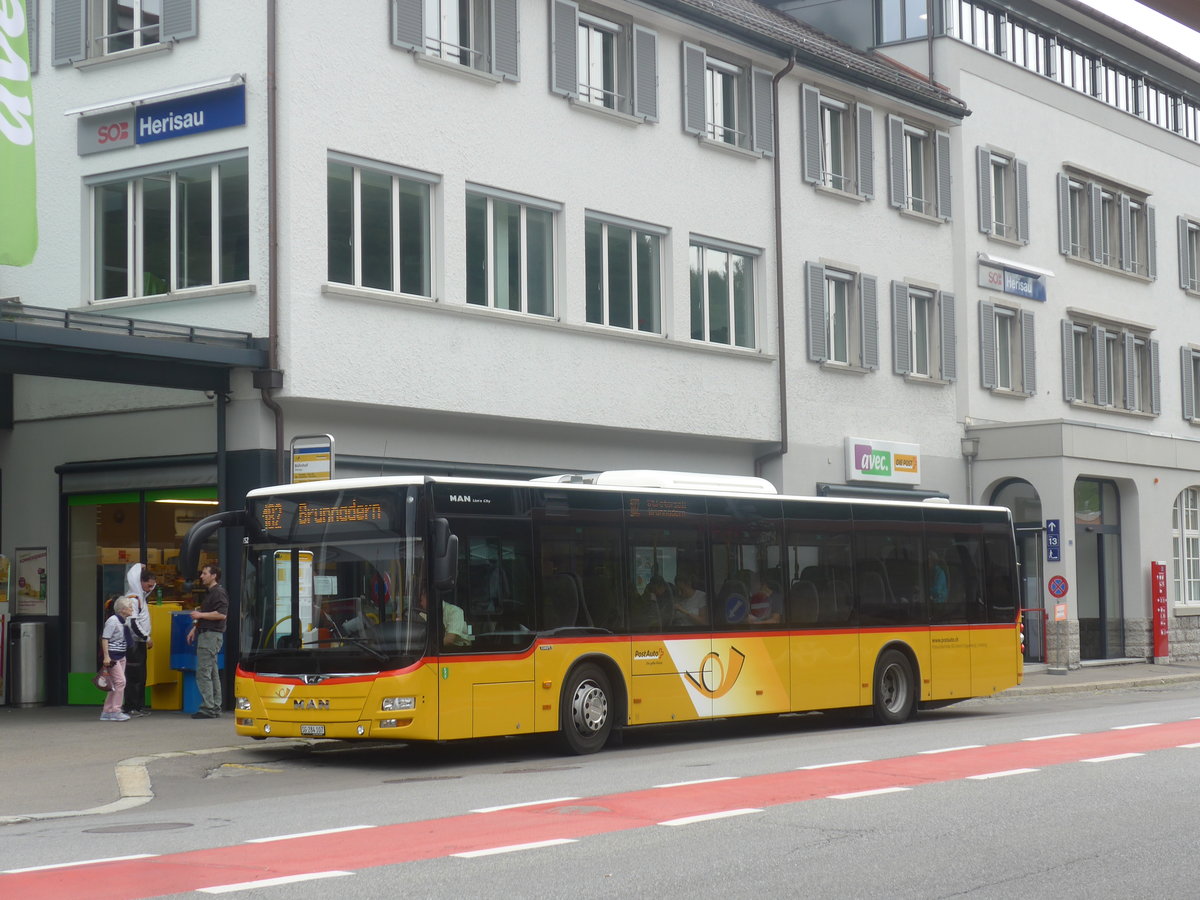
(779, 451)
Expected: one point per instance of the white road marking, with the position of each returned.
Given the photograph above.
(708, 817)
(699, 781)
(304, 834)
(875, 793)
(513, 848)
(848, 762)
(1052, 737)
(1004, 774)
(270, 882)
(488, 809)
(82, 862)
(1111, 758)
(950, 749)
(1188, 747)
(1143, 725)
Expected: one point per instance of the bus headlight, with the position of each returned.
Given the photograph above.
(394, 704)
(242, 703)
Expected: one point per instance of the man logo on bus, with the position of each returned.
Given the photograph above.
(310, 704)
(708, 670)
(872, 462)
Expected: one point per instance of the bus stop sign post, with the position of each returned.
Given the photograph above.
(1058, 588)
(1158, 597)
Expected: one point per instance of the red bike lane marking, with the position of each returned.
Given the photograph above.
(435, 838)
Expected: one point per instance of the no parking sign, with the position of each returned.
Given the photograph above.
(1058, 587)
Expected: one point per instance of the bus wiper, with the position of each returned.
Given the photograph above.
(353, 640)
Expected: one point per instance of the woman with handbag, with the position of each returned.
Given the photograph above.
(114, 643)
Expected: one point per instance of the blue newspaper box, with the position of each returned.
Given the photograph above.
(183, 658)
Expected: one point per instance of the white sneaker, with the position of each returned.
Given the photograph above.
(118, 717)
(105, 717)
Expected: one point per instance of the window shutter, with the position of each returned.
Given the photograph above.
(564, 48)
(1151, 243)
(693, 89)
(1068, 360)
(868, 290)
(1028, 354)
(1155, 393)
(1021, 171)
(1188, 382)
(506, 61)
(1128, 263)
(1064, 215)
(897, 194)
(1096, 214)
(810, 115)
(1185, 268)
(408, 24)
(901, 339)
(866, 151)
(814, 280)
(763, 126)
(645, 73)
(1130, 348)
(178, 19)
(68, 27)
(987, 343)
(983, 166)
(31, 19)
(949, 341)
(1100, 365)
(941, 143)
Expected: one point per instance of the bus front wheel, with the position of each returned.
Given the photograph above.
(585, 715)
(895, 693)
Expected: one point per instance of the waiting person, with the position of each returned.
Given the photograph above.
(691, 607)
(208, 634)
(114, 641)
(140, 582)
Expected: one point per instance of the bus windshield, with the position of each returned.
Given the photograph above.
(334, 583)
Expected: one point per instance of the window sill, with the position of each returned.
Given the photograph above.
(1011, 393)
(1005, 239)
(908, 213)
(424, 59)
(840, 194)
(614, 115)
(1115, 410)
(196, 293)
(733, 149)
(125, 55)
(926, 380)
(828, 365)
(336, 289)
(1193, 291)
(1186, 610)
(1112, 270)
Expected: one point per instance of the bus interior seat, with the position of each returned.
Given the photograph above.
(561, 601)
(804, 601)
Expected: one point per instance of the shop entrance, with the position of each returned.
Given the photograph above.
(1026, 506)
(1098, 596)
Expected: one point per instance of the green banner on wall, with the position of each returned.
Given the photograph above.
(18, 179)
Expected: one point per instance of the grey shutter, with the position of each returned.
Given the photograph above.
(1155, 372)
(1064, 215)
(1099, 366)
(408, 24)
(693, 88)
(897, 192)
(1130, 354)
(1021, 170)
(987, 344)
(866, 151)
(763, 118)
(945, 197)
(901, 339)
(1128, 263)
(1188, 383)
(564, 48)
(1028, 354)
(1151, 243)
(178, 20)
(814, 280)
(810, 115)
(983, 165)
(1068, 359)
(1185, 268)
(868, 291)
(31, 18)
(949, 341)
(1096, 214)
(645, 73)
(506, 39)
(68, 27)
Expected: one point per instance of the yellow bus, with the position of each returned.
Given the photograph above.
(435, 609)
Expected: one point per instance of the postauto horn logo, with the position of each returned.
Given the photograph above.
(872, 462)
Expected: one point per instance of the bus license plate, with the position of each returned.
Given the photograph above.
(314, 730)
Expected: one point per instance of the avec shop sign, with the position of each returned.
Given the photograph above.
(890, 462)
(163, 121)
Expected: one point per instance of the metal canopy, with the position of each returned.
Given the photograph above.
(63, 344)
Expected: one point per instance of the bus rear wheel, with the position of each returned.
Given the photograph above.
(895, 693)
(585, 714)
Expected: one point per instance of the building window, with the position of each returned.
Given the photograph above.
(599, 59)
(624, 274)
(918, 168)
(901, 20)
(842, 317)
(839, 147)
(1110, 366)
(481, 35)
(1190, 382)
(1106, 224)
(727, 103)
(722, 294)
(1003, 192)
(1006, 348)
(510, 254)
(1185, 540)
(169, 231)
(923, 332)
(97, 28)
(1189, 253)
(379, 229)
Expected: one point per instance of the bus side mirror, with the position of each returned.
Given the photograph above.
(445, 556)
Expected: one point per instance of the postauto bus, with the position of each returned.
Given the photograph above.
(433, 609)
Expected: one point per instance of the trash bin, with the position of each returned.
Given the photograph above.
(183, 659)
(27, 662)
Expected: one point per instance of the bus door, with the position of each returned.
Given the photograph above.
(954, 558)
(995, 645)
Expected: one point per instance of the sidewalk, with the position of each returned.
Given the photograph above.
(62, 761)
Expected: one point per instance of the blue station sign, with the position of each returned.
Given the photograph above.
(163, 121)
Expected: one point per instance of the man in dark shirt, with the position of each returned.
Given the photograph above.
(208, 633)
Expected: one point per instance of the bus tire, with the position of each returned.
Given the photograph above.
(895, 694)
(586, 711)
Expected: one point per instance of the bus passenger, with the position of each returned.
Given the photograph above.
(692, 606)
